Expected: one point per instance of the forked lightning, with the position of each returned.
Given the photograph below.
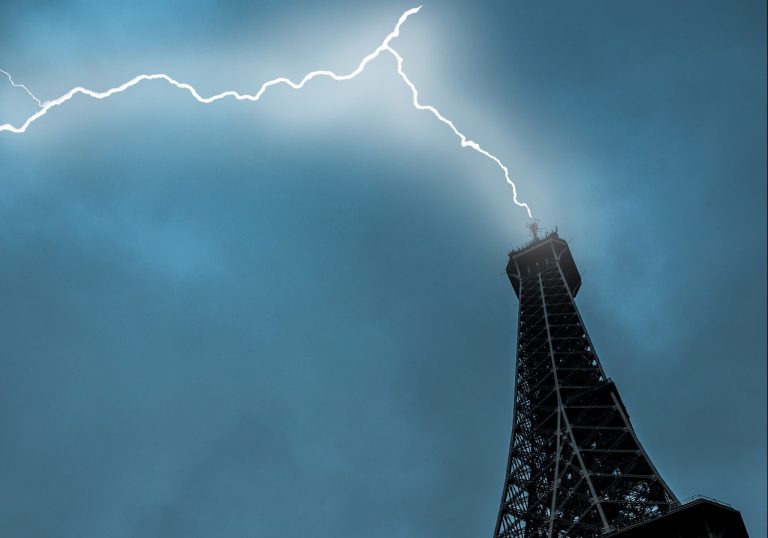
(45, 106)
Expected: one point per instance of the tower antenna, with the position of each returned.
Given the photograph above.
(534, 228)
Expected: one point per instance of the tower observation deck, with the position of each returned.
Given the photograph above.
(576, 467)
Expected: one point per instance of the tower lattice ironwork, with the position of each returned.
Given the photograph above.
(576, 467)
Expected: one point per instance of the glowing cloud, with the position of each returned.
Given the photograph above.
(45, 106)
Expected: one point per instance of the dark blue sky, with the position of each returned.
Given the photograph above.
(292, 317)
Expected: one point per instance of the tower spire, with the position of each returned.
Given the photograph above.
(533, 227)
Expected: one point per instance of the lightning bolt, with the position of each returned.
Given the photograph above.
(32, 95)
(45, 106)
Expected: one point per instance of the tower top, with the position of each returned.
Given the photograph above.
(538, 235)
(544, 250)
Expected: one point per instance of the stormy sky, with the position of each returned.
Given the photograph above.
(291, 318)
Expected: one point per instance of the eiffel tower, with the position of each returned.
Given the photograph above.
(576, 467)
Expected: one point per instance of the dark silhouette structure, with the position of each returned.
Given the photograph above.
(698, 518)
(576, 467)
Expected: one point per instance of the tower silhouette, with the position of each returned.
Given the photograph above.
(576, 467)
